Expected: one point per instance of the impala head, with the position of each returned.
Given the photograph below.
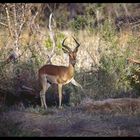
(72, 54)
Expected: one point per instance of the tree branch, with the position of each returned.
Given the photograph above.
(9, 22)
(133, 60)
(51, 33)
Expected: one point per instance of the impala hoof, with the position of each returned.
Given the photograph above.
(60, 107)
(44, 107)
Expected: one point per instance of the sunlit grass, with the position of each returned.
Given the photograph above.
(101, 67)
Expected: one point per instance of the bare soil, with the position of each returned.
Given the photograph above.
(112, 117)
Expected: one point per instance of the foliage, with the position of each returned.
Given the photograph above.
(113, 74)
(78, 23)
(104, 72)
(135, 77)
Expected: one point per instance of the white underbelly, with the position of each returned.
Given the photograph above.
(52, 79)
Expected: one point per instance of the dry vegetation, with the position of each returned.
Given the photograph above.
(107, 67)
(111, 117)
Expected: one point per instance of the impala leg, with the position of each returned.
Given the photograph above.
(55, 93)
(76, 84)
(42, 97)
(43, 91)
(60, 94)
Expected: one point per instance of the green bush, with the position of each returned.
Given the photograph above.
(78, 23)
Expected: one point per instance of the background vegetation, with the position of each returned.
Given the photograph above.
(107, 61)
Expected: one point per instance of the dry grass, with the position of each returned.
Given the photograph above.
(112, 117)
(102, 71)
(119, 105)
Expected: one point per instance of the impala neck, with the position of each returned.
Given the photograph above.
(71, 68)
(72, 62)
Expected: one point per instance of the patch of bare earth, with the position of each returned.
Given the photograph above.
(111, 117)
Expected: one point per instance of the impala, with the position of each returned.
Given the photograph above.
(59, 75)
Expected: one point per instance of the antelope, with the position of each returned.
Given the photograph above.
(60, 75)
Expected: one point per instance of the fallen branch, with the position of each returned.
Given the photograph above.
(4, 24)
(133, 60)
(109, 105)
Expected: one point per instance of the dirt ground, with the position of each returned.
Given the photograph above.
(81, 121)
